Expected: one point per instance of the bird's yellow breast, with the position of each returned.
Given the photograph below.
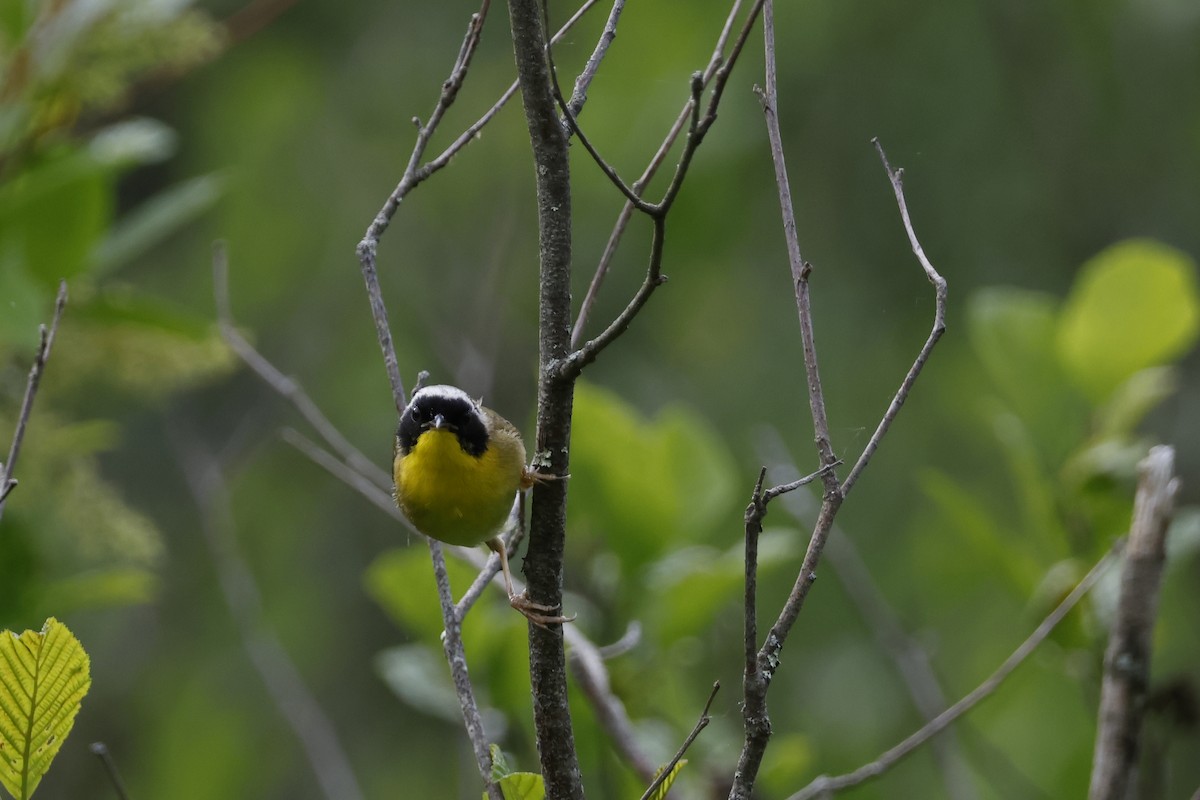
(453, 496)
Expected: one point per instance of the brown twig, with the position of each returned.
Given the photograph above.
(543, 566)
(368, 247)
(100, 750)
(467, 136)
(825, 786)
(456, 655)
(584, 81)
(278, 672)
(9, 467)
(700, 725)
(896, 176)
(570, 367)
(761, 665)
(1127, 658)
(618, 231)
(286, 386)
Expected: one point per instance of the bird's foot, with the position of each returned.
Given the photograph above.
(538, 613)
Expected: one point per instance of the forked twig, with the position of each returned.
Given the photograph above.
(896, 176)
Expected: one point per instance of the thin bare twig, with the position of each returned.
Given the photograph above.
(368, 247)
(279, 674)
(701, 724)
(910, 658)
(896, 176)
(467, 136)
(761, 666)
(9, 467)
(699, 124)
(579, 93)
(100, 750)
(1127, 658)
(456, 655)
(618, 231)
(825, 786)
(286, 386)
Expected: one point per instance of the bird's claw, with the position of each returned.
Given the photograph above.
(537, 613)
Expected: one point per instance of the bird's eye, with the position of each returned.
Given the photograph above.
(416, 413)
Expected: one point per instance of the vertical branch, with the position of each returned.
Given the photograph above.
(9, 467)
(1127, 659)
(456, 655)
(544, 560)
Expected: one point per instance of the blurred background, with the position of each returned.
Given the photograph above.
(1052, 157)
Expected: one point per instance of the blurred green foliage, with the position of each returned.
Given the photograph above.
(1052, 157)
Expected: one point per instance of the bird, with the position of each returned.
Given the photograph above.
(458, 467)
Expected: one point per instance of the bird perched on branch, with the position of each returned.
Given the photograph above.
(458, 467)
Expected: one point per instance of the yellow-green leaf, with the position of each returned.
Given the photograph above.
(665, 786)
(521, 786)
(43, 678)
(1135, 305)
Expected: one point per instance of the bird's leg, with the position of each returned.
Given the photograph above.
(534, 612)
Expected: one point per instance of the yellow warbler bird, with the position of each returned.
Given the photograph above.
(458, 467)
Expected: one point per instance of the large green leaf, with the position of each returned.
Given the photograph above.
(43, 678)
(1134, 305)
(639, 484)
(521, 786)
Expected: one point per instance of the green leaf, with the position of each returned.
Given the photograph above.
(1011, 330)
(641, 484)
(500, 767)
(401, 581)
(43, 678)
(56, 213)
(1134, 399)
(661, 792)
(1134, 305)
(521, 786)
(155, 220)
(419, 677)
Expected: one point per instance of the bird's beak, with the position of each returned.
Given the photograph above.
(439, 422)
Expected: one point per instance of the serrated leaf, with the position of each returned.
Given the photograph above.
(521, 786)
(661, 792)
(1134, 305)
(43, 679)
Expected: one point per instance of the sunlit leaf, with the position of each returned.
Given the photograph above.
(500, 766)
(1134, 305)
(401, 582)
(521, 786)
(661, 792)
(641, 484)
(43, 679)
(141, 346)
